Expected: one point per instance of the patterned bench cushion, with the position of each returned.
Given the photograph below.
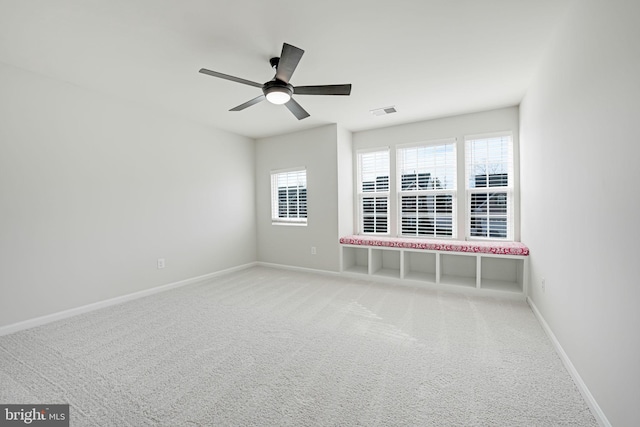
(500, 248)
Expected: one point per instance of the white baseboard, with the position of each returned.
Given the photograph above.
(294, 268)
(42, 320)
(584, 390)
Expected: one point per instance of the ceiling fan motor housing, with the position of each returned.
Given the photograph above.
(277, 87)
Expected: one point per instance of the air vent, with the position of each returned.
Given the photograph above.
(384, 111)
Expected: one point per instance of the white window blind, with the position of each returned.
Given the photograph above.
(489, 182)
(427, 189)
(289, 196)
(373, 191)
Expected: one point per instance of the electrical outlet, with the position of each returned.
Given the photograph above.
(313, 250)
(160, 263)
(544, 284)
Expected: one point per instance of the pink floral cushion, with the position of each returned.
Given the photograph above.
(503, 248)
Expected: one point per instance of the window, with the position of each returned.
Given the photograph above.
(289, 196)
(427, 189)
(373, 191)
(440, 189)
(489, 178)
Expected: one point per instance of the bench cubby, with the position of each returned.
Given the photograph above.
(458, 269)
(355, 260)
(419, 265)
(502, 274)
(385, 263)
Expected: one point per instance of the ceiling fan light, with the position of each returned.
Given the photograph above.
(277, 95)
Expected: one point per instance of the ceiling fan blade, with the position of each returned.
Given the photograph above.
(323, 90)
(296, 109)
(288, 62)
(228, 77)
(248, 103)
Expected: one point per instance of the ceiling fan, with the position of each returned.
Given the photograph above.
(278, 90)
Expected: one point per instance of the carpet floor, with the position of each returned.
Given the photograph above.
(270, 347)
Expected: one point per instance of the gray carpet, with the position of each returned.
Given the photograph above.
(268, 347)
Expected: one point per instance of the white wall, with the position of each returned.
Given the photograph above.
(317, 151)
(346, 179)
(93, 190)
(504, 119)
(580, 172)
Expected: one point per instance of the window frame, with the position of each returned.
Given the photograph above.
(509, 189)
(296, 220)
(452, 192)
(361, 194)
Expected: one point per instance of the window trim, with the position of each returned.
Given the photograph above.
(275, 218)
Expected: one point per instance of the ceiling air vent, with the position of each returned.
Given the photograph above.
(384, 111)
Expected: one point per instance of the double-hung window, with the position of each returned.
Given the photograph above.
(373, 191)
(289, 196)
(489, 182)
(427, 189)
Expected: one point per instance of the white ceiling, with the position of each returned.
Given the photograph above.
(428, 58)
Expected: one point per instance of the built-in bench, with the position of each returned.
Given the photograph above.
(494, 266)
